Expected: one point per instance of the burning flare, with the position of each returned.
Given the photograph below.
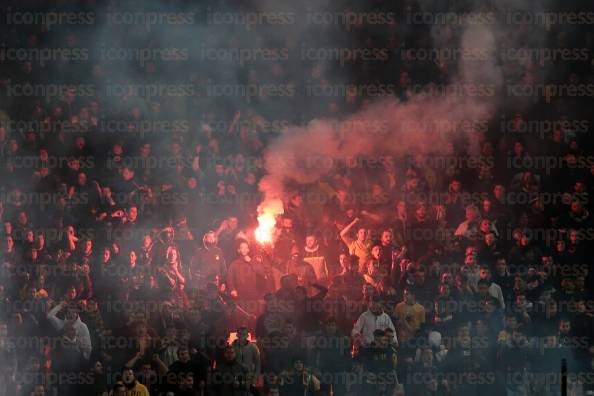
(267, 212)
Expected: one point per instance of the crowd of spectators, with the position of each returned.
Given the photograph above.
(129, 264)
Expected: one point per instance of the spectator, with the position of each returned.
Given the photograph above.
(71, 318)
(369, 321)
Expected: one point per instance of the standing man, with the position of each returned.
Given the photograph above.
(208, 263)
(359, 246)
(248, 355)
(371, 320)
(314, 256)
(248, 280)
(409, 315)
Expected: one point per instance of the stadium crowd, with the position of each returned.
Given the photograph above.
(129, 264)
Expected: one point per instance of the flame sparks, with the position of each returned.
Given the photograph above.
(267, 212)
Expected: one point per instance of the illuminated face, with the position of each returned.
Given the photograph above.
(287, 223)
(43, 155)
(74, 164)
(455, 186)
(192, 183)
(361, 234)
(573, 236)
(471, 214)
(297, 200)
(210, 238)
(444, 290)
(244, 249)
(375, 252)
(172, 255)
(250, 179)
(9, 243)
(469, 260)
(485, 273)
(344, 261)
(499, 192)
(373, 267)
(127, 174)
(71, 293)
(133, 213)
(386, 238)
(310, 241)
(421, 212)
(564, 327)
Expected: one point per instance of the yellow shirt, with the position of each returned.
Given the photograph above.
(138, 390)
(361, 250)
(409, 319)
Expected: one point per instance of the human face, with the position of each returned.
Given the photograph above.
(82, 179)
(375, 252)
(421, 212)
(183, 354)
(192, 183)
(128, 376)
(344, 261)
(409, 298)
(244, 249)
(172, 255)
(485, 273)
(499, 192)
(386, 238)
(127, 174)
(375, 308)
(298, 365)
(133, 213)
(242, 335)
(361, 234)
(373, 267)
(210, 238)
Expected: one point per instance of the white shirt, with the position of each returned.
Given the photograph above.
(495, 291)
(368, 323)
(82, 331)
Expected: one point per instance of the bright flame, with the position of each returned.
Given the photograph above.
(267, 212)
(266, 226)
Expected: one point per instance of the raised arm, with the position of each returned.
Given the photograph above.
(345, 231)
